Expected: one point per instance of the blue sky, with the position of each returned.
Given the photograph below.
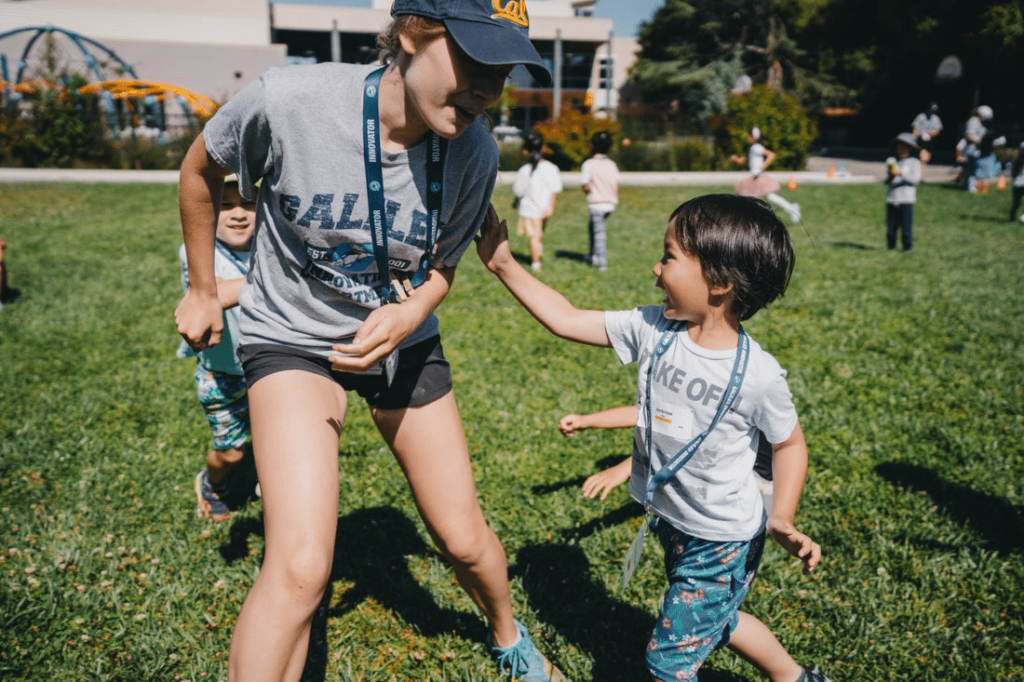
(627, 14)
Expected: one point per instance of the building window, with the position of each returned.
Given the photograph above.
(576, 70)
(525, 118)
(606, 72)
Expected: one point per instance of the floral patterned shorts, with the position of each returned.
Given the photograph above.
(708, 581)
(225, 401)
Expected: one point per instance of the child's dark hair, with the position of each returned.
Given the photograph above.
(533, 144)
(601, 142)
(739, 241)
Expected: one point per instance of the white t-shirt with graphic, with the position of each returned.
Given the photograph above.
(714, 496)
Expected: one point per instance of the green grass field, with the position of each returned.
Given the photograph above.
(907, 371)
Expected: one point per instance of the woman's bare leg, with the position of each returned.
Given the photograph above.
(430, 446)
(296, 421)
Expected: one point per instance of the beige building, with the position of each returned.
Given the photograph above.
(213, 48)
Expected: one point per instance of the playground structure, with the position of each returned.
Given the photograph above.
(131, 105)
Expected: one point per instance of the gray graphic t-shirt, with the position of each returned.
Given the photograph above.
(314, 278)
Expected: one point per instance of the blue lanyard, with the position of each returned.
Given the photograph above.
(375, 188)
(672, 467)
(242, 265)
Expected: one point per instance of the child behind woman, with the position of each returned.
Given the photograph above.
(701, 380)
(220, 380)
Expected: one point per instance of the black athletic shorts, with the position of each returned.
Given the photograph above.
(423, 373)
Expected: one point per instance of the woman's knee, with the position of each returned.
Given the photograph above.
(469, 546)
(300, 575)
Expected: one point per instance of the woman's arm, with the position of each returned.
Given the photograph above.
(199, 316)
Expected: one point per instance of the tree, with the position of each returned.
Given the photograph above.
(692, 52)
(877, 57)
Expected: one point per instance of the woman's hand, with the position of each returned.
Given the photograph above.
(200, 320)
(384, 330)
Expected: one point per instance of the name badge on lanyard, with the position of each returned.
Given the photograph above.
(673, 465)
(395, 288)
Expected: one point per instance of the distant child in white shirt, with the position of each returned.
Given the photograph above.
(903, 175)
(536, 187)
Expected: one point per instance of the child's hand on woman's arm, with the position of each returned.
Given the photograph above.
(492, 243)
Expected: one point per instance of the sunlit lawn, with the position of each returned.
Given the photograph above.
(907, 371)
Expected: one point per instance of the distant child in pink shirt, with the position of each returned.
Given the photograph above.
(600, 180)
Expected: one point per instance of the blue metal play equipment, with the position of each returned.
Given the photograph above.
(113, 79)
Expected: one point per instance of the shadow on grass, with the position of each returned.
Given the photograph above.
(852, 245)
(10, 295)
(573, 255)
(1001, 218)
(371, 550)
(999, 523)
(613, 632)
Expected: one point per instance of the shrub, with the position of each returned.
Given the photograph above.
(785, 128)
(61, 127)
(138, 152)
(510, 155)
(683, 154)
(568, 137)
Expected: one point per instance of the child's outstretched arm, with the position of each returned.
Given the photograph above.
(789, 468)
(605, 481)
(199, 316)
(547, 305)
(615, 418)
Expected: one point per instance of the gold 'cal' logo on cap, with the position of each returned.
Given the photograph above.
(514, 11)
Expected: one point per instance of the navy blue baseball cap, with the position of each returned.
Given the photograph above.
(489, 31)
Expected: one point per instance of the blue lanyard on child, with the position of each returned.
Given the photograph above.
(375, 188)
(240, 263)
(672, 467)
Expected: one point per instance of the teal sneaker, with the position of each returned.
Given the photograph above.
(812, 675)
(523, 663)
(210, 505)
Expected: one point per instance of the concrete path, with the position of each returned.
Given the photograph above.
(819, 171)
